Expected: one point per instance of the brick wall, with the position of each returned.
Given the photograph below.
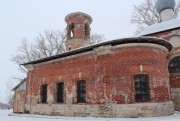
(78, 30)
(174, 78)
(109, 75)
(79, 20)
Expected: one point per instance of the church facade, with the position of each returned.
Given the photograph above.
(126, 77)
(169, 29)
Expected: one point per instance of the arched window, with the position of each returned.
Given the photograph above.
(141, 82)
(174, 65)
(69, 48)
(81, 91)
(71, 27)
(87, 30)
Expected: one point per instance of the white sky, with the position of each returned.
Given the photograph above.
(26, 18)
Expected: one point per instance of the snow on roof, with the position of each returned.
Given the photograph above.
(18, 85)
(142, 39)
(159, 27)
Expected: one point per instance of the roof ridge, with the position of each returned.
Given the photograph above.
(159, 27)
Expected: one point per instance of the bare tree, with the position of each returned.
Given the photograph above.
(96, 38)
(46, 44)
(50, 43)
(9, 93)
(24, 52)
(145, 14)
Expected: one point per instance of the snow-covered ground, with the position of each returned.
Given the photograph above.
(4, 116)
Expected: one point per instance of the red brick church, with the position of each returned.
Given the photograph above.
(129, 77)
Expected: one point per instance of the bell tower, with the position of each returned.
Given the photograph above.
(78, 30)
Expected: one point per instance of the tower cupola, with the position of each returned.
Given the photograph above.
(78, 30)
(165, 8)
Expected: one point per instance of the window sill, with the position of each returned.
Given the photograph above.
(81, 103)
(43, 103)
(58, 103)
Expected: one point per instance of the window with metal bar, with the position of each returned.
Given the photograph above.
(174, 65)
(81, 91)
(44, 93)
(141, 88)
(60, 92)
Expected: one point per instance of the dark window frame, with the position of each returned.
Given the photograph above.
(174, 65)
(141, 85)
(60, 92)
(81, 91)
(43, 93)
(69, 48)
(71, 27)
(87, 30)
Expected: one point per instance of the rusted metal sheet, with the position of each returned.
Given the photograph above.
(19, 100)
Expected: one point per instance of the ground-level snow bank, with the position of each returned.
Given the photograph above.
(4, 116)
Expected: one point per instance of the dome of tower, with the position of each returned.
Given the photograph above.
(164, 4)
(78, 14)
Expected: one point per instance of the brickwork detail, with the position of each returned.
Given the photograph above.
(174, 78)
(109, 81)
(78, 30)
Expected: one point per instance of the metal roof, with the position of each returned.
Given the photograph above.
(152, 40)
(160, 27)
(18, 85)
